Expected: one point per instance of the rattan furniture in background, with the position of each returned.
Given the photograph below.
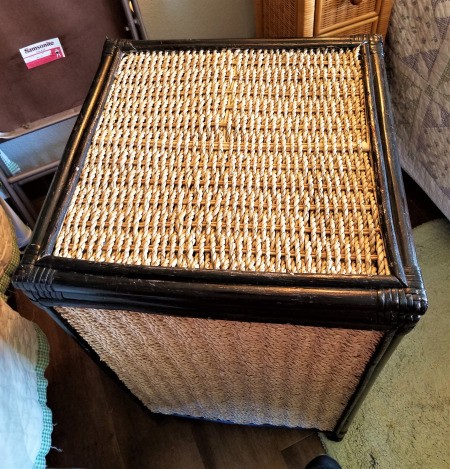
(227, 231)
(330, 18)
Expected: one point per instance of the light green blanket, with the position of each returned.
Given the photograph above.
(404, 421)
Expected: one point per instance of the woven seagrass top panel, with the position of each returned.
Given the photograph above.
(246, 160)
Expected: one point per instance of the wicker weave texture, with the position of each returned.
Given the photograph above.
(331, 13)
(247, 373)
(244, 160)
(280, 18)
(284, 18)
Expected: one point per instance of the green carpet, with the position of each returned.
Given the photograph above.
(404, 421)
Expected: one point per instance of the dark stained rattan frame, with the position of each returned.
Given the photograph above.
(391, 303)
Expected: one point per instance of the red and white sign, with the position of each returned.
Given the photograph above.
(42, 52)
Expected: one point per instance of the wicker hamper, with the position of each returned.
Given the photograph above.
(227, 231)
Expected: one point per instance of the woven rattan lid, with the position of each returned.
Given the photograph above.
(252, 160)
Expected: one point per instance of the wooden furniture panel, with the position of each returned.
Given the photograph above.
(297, 18)
(363, 27)
(284, 18)
(334, 14)
(383, 17)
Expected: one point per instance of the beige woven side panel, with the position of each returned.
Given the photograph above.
(248, 373)
(243, 160)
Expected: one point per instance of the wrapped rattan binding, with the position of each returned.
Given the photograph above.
(244, 160)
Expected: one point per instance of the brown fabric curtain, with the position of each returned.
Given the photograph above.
(27, 95)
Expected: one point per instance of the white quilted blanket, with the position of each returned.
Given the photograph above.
(25, 421)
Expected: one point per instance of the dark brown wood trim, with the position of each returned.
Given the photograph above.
(400, 215)
(215, 276)
(389, 235)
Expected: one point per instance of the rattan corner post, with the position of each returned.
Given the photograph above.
(233, 280)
